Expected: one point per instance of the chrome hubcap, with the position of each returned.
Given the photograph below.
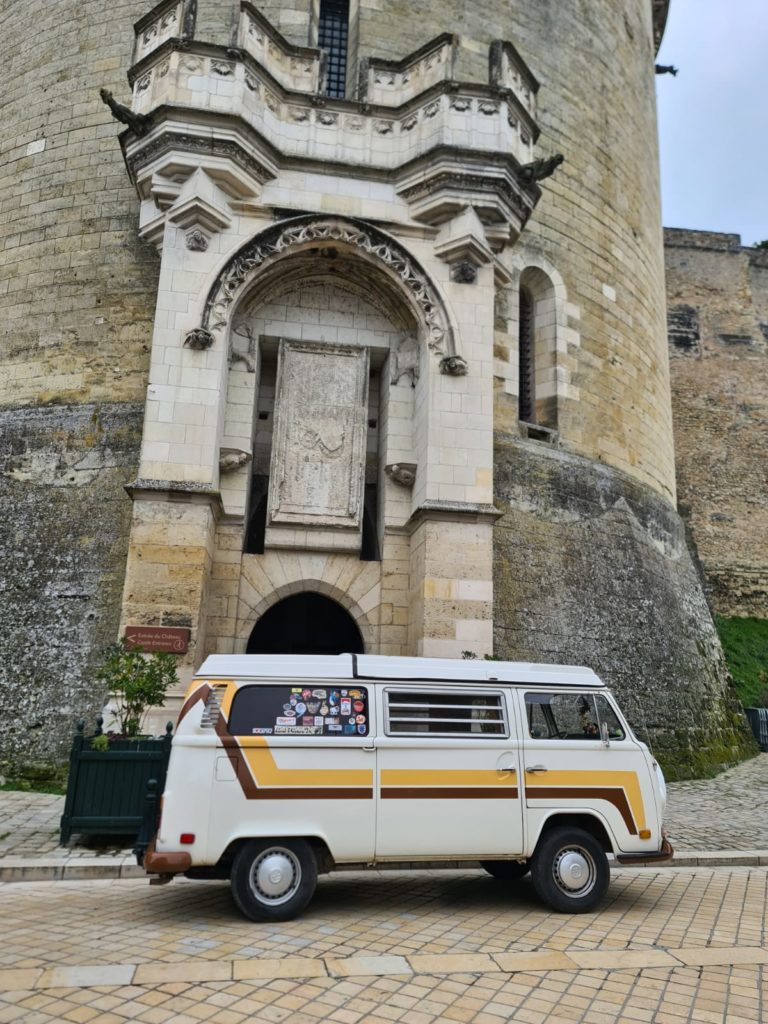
(574, 871)
(275, 875)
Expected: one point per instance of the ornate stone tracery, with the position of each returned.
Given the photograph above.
(285, 238)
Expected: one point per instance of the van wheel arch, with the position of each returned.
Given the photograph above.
(323, 856)
(587, 822)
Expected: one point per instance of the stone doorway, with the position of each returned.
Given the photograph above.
(307, 623)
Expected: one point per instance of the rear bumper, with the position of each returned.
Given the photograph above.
(162, 863)
(662, 856)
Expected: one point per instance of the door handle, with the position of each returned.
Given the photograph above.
(368, 749)
(507, 768)
(535, 768)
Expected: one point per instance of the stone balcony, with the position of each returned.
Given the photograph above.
(248, 113)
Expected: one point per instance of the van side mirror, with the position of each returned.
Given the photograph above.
(604, 734)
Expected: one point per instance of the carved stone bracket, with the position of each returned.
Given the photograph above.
(198, 338)
(284, 239)
(454, 366)
(402, 473)
(231, 459)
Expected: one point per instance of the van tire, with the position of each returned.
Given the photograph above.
(506, 870)
(569, 870)
(273, 879)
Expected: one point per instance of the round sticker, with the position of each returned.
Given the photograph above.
(352, 720)
(294, 699)
(288, 709)
(305, 694)
(358, 705)
(360, 719)
(301, 707)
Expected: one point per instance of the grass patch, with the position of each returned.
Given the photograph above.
(29, 786)
(745, 643)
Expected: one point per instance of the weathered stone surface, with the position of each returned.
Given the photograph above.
(592, 568)
(720, 409)
(64, 520)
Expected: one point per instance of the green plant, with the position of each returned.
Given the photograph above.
(745, 643)
(136, 682)
(100, 742)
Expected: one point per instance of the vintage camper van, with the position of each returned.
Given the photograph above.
(286, 766)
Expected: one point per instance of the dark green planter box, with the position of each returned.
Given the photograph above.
(106, 789)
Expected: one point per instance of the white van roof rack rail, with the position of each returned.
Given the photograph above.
(380, 668)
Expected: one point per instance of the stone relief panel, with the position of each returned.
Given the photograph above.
(318, 453)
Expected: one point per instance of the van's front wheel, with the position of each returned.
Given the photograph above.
(569, 870)
(273, 880)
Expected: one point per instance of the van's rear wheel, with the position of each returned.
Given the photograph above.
(506, 870)
(570, 871)
(273, 879)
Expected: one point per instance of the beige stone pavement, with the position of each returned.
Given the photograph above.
(667, 946)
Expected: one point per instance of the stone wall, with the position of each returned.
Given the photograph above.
(717, 294)
(591, 568)
(64, 522)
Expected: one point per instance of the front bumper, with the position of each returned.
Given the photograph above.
(662, 856)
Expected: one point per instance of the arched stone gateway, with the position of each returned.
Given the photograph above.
(307, 623)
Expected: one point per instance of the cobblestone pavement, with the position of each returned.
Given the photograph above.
(725, 813)
(666, 947)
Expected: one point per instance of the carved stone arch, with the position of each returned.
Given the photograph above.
(367, 629)
(396, 268)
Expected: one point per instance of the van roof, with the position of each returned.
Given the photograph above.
(377, 667)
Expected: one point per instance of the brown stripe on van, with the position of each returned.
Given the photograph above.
(449, 793)
(617, 797)
(201, 693)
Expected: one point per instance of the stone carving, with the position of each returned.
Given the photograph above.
(537, 170)
(488, 107)
(163, 69)
(410, 122)
(665, 69)
(431, 109)
(464, 272)
(199, 339)
(198, 144)
(327, 117)
(384, 127)
(232, 459)
(222, 67)
(252, 83)
(354, 124)
(454, 366)
(404, 360)
(403, 473)
(197, 241)
(242, 329)
(369, 242)
(461, 103)
(298, 114)
(318, 455)
(144, 83)
(138, 123)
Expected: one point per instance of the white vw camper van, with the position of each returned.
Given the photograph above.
(286, 766)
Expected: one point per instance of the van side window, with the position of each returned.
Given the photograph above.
(570, 716)
(286, 710)
(416, 713)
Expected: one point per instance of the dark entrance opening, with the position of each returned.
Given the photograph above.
(306, 623)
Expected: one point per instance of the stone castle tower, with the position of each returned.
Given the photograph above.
(377, 370)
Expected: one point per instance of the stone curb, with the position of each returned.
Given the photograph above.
(78, 869)
(16, 979)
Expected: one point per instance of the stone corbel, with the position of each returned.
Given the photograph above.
(402, 473)
(232, 459)
(454, 366)
(462, 243)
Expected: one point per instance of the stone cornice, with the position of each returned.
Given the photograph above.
(660, 11)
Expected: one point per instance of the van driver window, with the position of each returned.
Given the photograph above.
(570, 716)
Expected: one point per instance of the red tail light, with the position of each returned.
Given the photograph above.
(187, 838)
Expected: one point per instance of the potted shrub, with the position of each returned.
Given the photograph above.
(109, 772)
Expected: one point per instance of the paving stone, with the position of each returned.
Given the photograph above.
(287, 967)
(368, 965)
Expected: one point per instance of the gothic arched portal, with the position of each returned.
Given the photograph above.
(306, 623)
